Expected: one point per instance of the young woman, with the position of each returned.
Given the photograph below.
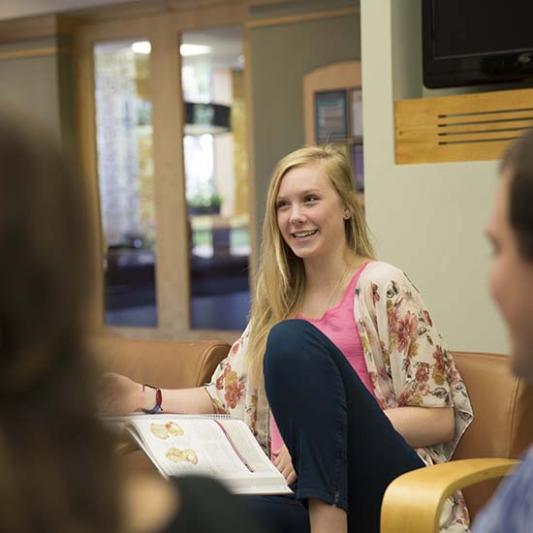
(340, 354)
(59, 471)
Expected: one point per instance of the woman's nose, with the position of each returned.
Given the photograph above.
(296, 214)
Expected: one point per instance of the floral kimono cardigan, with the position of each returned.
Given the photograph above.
(406, 361)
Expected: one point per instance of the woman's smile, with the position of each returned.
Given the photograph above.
(304, 235)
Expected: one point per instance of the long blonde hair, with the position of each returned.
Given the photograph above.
(281, 276)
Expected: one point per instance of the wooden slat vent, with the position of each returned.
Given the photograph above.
(469, 127)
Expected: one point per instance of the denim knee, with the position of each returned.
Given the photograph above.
(283, 343)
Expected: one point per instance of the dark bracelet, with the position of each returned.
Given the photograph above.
(157, 408)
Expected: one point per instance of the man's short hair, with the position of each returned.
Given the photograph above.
(518, 161)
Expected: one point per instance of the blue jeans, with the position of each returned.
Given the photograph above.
(343, 447)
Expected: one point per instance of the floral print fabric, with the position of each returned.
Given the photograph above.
(407, 363)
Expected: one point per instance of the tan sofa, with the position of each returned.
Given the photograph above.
(165, 363)
(501, 431)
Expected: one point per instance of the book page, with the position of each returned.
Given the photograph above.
(213, 445)
(188, 445)
(250, 450)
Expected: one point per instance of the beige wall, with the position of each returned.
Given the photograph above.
(29, 79)
(427, 219)
(36, 76)
(281, 55)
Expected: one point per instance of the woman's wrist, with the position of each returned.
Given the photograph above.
(152, 399)
(145, 397)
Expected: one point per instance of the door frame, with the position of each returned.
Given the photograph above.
(164, 31)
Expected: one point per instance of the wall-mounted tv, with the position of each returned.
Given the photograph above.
(469, 42)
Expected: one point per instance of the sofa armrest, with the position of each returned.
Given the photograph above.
(165, 363)
(413, 501)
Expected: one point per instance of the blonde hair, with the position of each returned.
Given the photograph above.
(281, 277)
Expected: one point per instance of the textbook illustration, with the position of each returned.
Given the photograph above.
(216, 445)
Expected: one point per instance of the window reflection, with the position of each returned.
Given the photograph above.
(126, 174)
(216, 177)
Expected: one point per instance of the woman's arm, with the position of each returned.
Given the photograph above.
(424, 380)
(184, 401)
(423, 426)
(121, 395)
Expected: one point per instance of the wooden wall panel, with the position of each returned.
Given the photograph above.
(468, 127)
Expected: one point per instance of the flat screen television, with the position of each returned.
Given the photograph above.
(469, 42)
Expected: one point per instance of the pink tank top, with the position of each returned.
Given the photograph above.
(338, 324)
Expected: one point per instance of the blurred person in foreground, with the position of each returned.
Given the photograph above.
(510, 231)
(59, 470)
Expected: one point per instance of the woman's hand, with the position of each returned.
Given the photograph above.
(283, 462)
(120, 395)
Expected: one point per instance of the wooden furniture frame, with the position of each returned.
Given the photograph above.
(413, 501)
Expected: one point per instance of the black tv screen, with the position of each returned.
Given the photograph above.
(476, 41)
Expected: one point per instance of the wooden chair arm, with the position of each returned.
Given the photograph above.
(413, 501)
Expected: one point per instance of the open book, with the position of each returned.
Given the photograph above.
(219, 446)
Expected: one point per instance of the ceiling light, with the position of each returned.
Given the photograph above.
(194, 49)
(141, 47)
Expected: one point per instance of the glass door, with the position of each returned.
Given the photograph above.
(216, 177)
(124, 140)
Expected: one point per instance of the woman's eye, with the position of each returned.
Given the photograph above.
(310, 199)
(281, 204)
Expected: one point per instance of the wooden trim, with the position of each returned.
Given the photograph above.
(304, 17)
(254, 230)
(111, 30)
(469, 127)
(172, 250)
(86, 132)
(143, 8)
(28, 28)
(39, 27)
(200, 18)
(34, 52)
(343, 75)
(209, 16)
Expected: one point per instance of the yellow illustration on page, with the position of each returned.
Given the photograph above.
(179, 456)
(164, 431)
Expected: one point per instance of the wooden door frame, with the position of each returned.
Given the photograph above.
(163, 30)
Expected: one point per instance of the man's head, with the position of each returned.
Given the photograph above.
(510, 230)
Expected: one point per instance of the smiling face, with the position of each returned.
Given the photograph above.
(511, 283)
(310, 213)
